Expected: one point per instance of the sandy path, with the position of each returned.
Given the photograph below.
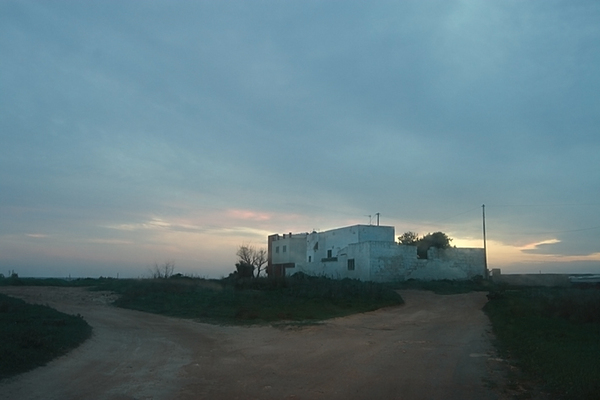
(433, 347)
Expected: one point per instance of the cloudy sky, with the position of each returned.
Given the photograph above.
(136, 132)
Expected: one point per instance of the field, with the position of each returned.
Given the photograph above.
(300, 299)
(552, 335)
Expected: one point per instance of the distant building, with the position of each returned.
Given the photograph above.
(368, 253)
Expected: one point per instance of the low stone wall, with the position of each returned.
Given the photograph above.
(394, 263)
(389, 262)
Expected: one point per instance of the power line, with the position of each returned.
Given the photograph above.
(553, 205)
(565, 231)
(546, 205)
(531, 205)
(458, 215)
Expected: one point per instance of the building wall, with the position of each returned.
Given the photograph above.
(403, 264)
(287, 249)
(327, 252)
(373, 256)
(391, 262)
(371, 233)
(360, 253)
(319, 243)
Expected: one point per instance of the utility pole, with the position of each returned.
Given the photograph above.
(485, 274)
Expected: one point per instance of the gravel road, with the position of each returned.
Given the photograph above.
(433, 347)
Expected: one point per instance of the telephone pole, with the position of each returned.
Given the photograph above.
(485, 273)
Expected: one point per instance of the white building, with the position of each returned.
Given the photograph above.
(368, 253)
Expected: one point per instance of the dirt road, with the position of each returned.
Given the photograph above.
(433, 347)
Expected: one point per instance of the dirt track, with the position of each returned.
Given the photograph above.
(433, 347)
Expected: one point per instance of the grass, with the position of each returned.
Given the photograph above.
(262, 300)
(300, 298)
(552, 335)
(31, 335)
(444, 286)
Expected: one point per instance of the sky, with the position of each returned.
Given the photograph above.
(133, 133)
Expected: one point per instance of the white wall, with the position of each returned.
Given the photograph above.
(372, 233)
(390, 261)
(402, 264)
(336, 239)
(295, 250)
(453, 263)
(339, 241)
(376, 256)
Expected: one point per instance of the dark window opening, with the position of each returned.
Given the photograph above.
(329, 259)
(351, 264)
(329, 255)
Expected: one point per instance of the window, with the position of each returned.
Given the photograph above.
(284, 249)
(351, 264)
(329, 254)
(277, 249)
(309, 258)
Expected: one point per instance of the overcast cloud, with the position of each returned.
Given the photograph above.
(138, 132)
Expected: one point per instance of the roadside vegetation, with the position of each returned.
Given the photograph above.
(299, 298)
(552, 335)
(32, 335)
(445, 286)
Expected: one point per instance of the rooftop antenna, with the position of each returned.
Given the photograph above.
(369, 218)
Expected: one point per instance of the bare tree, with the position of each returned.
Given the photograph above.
(250, 255)
(163, 271)
(260, 259)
